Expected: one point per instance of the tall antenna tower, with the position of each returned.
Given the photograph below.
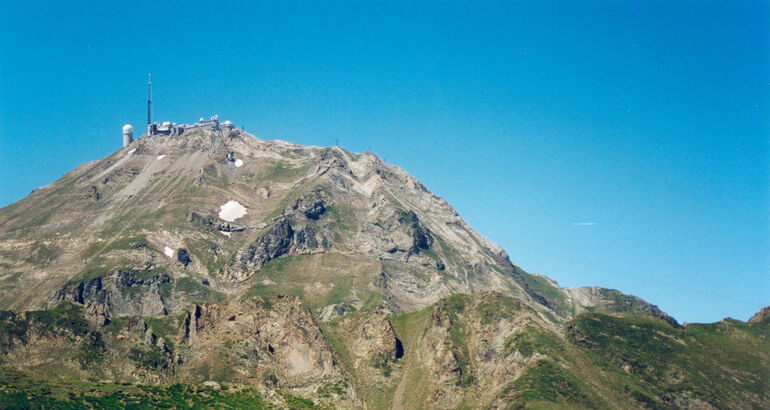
(149, 100)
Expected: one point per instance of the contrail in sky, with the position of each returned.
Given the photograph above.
(583, 223)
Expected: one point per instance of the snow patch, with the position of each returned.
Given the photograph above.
(227, 234)
(161, 156)
(238, 162)
(169, 252)
(132, 151)
(231, 211)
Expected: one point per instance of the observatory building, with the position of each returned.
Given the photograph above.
(128, 134)
(171, 128)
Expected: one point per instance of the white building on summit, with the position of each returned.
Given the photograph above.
(128, 134)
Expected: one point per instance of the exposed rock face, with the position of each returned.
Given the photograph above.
(763, 316)
(609, 300)
(280, 239)
(436, 351)
(276, 334)
(122, 293)
(291, 233)
(95, 313)
(654, 310)
(334, 311)
(421, 238)
(183, 256)
(214, 223)
(266, 340)
(276, 242)
(375, 344)
(311, 205)
(465, 351)
(93, 194)
(329, 160)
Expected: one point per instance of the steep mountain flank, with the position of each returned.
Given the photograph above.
(160, 218)
(307, 272)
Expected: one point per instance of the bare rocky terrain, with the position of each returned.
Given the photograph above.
(332, 276)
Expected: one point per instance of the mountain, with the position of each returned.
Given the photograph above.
(315, 276)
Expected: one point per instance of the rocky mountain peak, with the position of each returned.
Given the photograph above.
(216, 257)
(219, 207)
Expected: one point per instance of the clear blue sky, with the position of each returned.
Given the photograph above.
(614, 143)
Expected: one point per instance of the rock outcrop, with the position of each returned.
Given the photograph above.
(121, 293)
(763, 316)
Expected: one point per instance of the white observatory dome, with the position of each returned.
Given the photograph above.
(128, 128)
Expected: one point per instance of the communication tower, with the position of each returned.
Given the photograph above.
(149, 99)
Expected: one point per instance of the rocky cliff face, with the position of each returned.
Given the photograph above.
(271, 341)
(122, 293)
(315, 270)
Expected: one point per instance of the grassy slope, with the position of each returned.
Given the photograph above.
(725, 363)
(20, 390)
(319, 280)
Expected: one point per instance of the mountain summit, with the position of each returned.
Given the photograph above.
(224, 208)
(207, 254)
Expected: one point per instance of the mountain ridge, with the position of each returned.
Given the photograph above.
(331, 274)
(364, 174)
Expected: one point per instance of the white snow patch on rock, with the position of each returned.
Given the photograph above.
(227, 234)
(132, 151)
(169, 252)
(238, 162)
(161, 156)
(231, 211)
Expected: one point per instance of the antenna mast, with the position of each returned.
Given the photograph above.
(149, 100)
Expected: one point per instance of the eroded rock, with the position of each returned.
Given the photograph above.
(281, 239)
(124, 292)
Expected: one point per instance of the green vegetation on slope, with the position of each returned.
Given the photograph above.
(19, 391)
(544, 292)
(722, 363)
(533, 340)
(197, 291)
(547, 381)
(282, 171)
(65, 317)
(318, 280)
